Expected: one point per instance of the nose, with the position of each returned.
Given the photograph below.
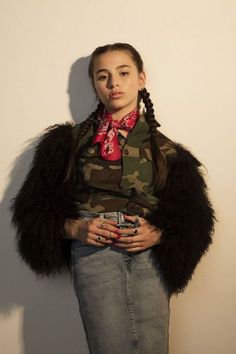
(113, 82)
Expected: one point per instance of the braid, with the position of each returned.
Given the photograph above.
(150, 116)
(91, 120)
(99, 110)
(159, 163)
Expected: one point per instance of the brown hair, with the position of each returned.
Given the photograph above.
(159, 163)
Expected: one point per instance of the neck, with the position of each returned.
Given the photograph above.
(119, 114)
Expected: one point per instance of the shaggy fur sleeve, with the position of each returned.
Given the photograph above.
(186, 218)
(42, 204)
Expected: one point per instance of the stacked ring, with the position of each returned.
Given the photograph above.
(136, 220)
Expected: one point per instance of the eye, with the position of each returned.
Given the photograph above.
(124, 73)
(102, 77)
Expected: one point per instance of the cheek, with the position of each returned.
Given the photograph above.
(99, 88)
(133, 85)
(133, 89)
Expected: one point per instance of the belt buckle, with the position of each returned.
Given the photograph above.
(122, 222)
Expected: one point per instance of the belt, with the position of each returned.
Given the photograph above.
(112, 215)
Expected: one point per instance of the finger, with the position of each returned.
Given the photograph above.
(112, 235)
(124, 240)
(130, 239)
(101, 222)
(135, 249)
(109, 228)
(131, 217)
(100, 238)
(135, 218)
(128, 246)
(112, 232)
(107, 234)
(92, 241)
(130, 231)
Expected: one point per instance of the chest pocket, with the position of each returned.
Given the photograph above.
(97, 172)
(137, 168)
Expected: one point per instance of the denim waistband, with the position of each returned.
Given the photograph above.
(112, 215)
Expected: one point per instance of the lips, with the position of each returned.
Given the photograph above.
(114, 95)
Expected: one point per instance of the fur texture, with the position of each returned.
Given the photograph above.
(42, 204)
(186, 218)
(184, 213)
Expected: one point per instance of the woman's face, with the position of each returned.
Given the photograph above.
(117, 81)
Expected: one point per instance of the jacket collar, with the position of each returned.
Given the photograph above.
(139, 134)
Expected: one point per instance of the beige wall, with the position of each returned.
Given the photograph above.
(189, 51)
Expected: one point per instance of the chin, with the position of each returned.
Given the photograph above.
(116, 107)
(119, 106)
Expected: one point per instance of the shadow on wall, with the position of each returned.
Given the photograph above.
(82, 98)
(51, 323)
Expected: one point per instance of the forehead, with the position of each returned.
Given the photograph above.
(112, 59)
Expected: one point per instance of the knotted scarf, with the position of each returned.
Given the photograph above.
(107, 133)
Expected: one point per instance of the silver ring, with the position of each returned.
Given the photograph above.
(136, 220)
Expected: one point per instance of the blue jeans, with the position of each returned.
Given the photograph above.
(123, 304)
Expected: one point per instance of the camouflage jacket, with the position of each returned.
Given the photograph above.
(122, 185)
(182, 210)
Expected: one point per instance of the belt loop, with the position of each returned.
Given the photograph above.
(121, 218)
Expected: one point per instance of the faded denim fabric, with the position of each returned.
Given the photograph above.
(123, 304)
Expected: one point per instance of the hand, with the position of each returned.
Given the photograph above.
(88, 231)
(147, 236)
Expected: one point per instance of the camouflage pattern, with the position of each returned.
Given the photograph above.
(123, 185)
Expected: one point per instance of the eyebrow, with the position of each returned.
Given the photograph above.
(118, 67)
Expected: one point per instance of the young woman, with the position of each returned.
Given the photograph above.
(119, 205)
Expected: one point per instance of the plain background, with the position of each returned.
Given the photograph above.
(188, 48)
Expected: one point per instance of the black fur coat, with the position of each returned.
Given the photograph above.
(184, 212)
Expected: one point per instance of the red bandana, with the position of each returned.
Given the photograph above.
(107, 134)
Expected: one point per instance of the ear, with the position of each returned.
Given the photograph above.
(142, 80)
